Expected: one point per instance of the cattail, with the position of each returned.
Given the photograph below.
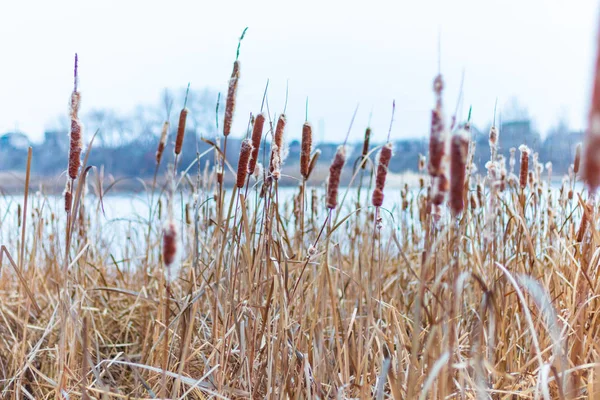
(385, 154)
(585, 220)
(231, 94)
(277, 153)
(524, 165)
(440, 189)
(480, 197)
(335, 172)
(459, 150)
(306, 150)
(242, 171)
(257, 131)
(313, 161)
(279, 130)
(68, 196)
(169, 248)
(377, 199)
(181, 130)
(163, 142)
(577, 158)
(365, 149)
(75, 148)
(437, 140)
(76, 144)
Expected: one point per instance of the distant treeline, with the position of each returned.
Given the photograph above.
(126, 145)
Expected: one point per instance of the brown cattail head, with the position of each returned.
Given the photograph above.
(279, 131)
(385, 154)
(523, 173)
(245, 152)
(231, 94)
(577, 161)
(181, 130)
(377, 199)
(169, 245)
(437, 140)
(257, 131)
(75, 148)
(459, 150)
(365, 149)
(277, 152)
(162, 142)
(68, 196)
(440, 189)
(437, 143)
(306, 150)
(335, 172)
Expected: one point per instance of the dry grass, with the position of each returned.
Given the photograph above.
(241, 293)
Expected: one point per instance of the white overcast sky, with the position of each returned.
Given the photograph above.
(338, 53)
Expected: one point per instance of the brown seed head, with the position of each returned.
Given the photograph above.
(279, 131)
(181, 130)
(257, 131)
(440, 189)
(245, 151)
(377, 199)
(335, 172)
(75, 148)
(68, 196)
(365, 149)
(459, 150)
(231, 95)
(437, 143)
(306, 150)
(162, 143)
(524, 166)
(169, 248)
(385, 154)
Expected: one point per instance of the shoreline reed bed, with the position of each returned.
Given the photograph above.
(491, 293)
